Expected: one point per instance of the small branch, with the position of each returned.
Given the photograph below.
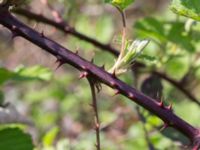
(65, 27)
(96, 115)
(100, 75)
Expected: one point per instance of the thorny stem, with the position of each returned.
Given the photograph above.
(68, 29)
(96, 115)
(100, 75)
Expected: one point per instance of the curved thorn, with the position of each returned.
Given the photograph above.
(83, 75)
(60, 63)
(161, 104)
(114, 74)
(14, 35)
(76, 52)
(42, 34)
(169, 107)
(164, 127)
(113, 84)
(103, 66)
(131, 95)
(14, 27)
(116, 92)
(92, 60)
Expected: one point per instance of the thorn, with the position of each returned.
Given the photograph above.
(164, 127)
(161, 104)
(97, 126)
(113, 84)
(103, 66)
(83, 75)
(131, 95)
(14, 27)
(76, 52)
(98, 86)
(169, 107)
(116, 92)
(196, 147)
(114, 74)
(42, 34)
(60, 63)
(14, 35)
(84, 67)
(92, 60)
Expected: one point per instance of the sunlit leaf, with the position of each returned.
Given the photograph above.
(122, 4)
(161, 32)
(25, 74)
(188, 8)
(35, 72)
(5, 75)
(49, 138)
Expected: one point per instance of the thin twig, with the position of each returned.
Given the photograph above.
(96, 115)
(123, 42)
(123, 15)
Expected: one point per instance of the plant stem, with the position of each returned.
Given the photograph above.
(96, 115)
(123, 43)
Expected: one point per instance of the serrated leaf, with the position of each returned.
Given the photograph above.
(122, 4)
(15, 139)
(188, 8)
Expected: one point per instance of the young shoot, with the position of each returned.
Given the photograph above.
(132, 51)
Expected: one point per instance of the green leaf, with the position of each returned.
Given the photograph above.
(177, 67)
(15, 139)
(162, 32)
(49, 138)
(177, 36)
(188, 8)
(151, 28)
(5, 75)
(35, 72)
(122, 4)
(25, 74)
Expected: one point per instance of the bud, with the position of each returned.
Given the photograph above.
(133, 50)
